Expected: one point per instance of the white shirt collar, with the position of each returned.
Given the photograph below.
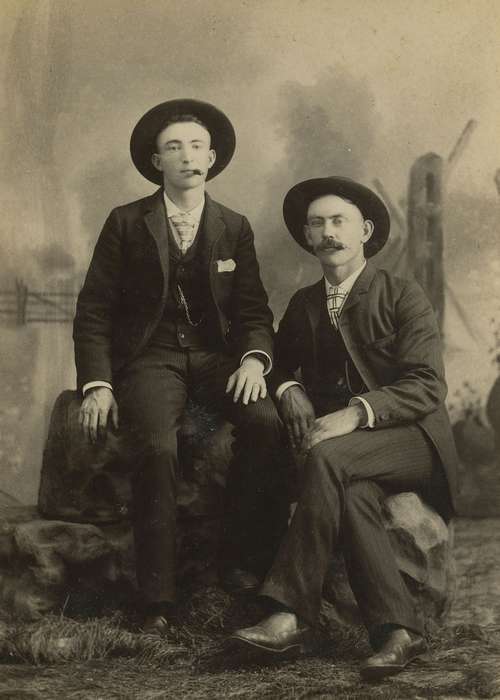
(173, 209)
(348, 283)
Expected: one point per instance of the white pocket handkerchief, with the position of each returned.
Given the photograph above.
(226, 265)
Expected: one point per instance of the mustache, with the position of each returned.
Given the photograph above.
(330, 245)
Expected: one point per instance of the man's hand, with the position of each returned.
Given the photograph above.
(94, 412)
(248, 381)
(297, 413)
(342, 422)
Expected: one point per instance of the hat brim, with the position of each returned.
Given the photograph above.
(143, 139)
(299, 198)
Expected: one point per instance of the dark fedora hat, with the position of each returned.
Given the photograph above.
(143, 139)
(370, 205)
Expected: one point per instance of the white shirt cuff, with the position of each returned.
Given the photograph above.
(268, 363)
(91, 385)
(370, 423)
(283, 387)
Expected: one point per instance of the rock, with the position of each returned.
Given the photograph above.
(55, 565)
(423, 545)
(88, 483)
(48, 565)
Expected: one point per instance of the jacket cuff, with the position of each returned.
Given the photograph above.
(92, 385)
(263, 357)
(286, 385)
(370, 422)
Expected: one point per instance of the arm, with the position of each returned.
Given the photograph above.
(289, 346)
(92, 328)
(253, 323)
(92, 332)
(416, 362)
(414, 359)
(295, 407)
(250, 313)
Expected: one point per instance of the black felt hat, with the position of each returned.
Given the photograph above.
(143, 139)
(370, 205)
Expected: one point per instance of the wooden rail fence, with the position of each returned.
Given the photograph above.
(22, 305)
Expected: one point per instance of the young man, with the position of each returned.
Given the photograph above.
(172, 306)
(369, 414)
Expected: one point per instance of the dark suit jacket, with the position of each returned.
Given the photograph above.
(124, 294)
(390, 332)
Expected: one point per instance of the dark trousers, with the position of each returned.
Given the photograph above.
(152, 395)
(344, 481)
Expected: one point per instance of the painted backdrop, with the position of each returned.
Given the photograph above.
(313, 87)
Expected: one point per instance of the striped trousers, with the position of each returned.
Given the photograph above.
(344, 483)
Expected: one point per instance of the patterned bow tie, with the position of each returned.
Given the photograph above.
(334, 301)
(184, 226)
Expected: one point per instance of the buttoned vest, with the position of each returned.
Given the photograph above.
(189, 273)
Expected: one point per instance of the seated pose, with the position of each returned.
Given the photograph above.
(368, 415)
(173, 306)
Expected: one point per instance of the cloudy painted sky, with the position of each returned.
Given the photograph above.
(311, 85)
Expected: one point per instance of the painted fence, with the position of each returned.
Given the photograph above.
(22, 305)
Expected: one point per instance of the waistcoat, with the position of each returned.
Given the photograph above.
(336, 379)
(188, 273)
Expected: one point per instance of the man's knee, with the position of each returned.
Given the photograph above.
(261, 420)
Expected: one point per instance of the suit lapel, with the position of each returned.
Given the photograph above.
(360, 288)
(213, 226)
(351, 315)
(156, 222)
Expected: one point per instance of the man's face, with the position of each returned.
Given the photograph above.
(183, 155)
(336, 231)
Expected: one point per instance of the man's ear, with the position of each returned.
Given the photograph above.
(156, 160)
(368, 228)
(307, 235)
(211, 157)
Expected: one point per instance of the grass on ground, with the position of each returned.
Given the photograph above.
(110, 658)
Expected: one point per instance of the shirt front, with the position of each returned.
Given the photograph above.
(195, 215)
(343, 288)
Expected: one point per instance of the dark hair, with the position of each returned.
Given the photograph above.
(176, 119)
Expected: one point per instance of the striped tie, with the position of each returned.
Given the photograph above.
(184, 226)
(334, 301)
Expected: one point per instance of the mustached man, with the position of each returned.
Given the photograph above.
(369, 415)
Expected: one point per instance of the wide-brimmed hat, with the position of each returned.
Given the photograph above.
(298, 199)
(143, 139)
